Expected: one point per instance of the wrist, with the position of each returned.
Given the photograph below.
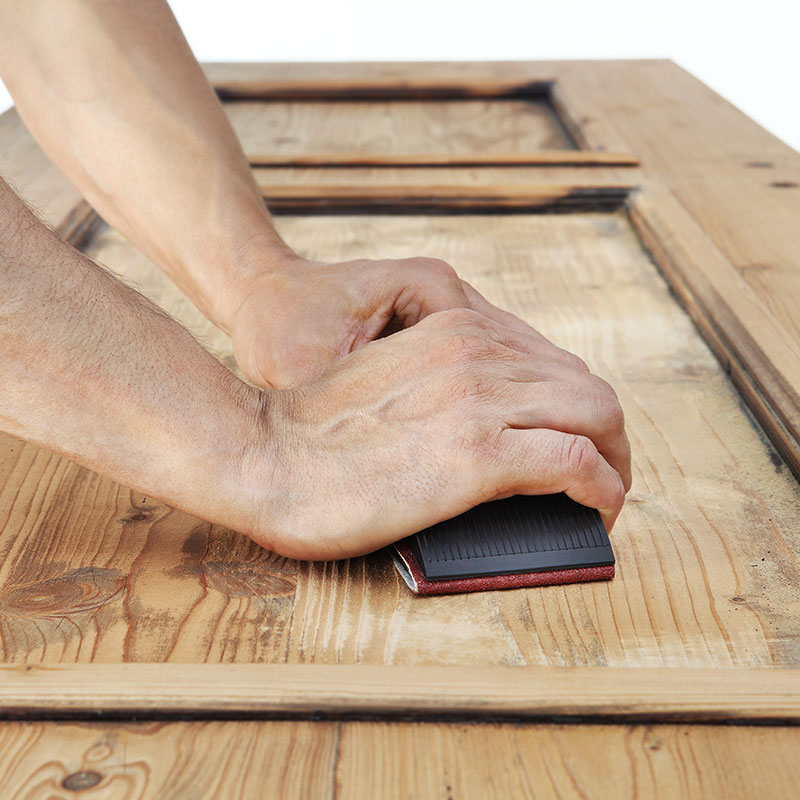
(263, 471)
(259, 260)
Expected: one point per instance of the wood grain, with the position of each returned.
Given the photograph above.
(322, 189)
(707, 545)
(141, 691)
(545, 158)
(753, 346)
(381, 129)
(394, 760)
(339, 198)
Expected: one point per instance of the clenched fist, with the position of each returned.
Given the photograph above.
(296, 319)
(420, 426)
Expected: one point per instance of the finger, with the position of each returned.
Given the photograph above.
(422, 286)
(554, 360)
(586, 407)
(505, 318)
(543, 461)
(515, 333)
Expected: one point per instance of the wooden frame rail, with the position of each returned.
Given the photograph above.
(332, 690)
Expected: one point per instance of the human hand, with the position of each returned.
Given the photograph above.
(299, 317)
(421, 426)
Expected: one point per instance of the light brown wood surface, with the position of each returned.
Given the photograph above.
(707, 545)
(320, 189)
(179, 690)
(544, 158)
(385, 128)
(405, 760)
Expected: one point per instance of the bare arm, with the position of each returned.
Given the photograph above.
(93, 370)
(405, 432)
(112, 92)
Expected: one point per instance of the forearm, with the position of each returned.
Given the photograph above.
(93, 370)
(114, 95)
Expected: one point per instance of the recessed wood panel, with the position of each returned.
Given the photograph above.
(374, 128)
(707, 545)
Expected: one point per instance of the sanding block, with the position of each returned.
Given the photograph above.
(507, 544)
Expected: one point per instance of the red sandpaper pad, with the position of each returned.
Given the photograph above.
(508, 544)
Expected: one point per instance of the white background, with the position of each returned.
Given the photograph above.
(747, 51)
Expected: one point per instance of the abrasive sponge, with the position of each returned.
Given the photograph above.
(507, 544)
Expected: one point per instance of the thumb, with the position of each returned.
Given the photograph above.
(423, 286)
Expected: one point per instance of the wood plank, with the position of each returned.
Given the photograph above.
(334, 690)
(394, 760)
(707, 545)
(379, 80)
(296, 129)
(740, 183)
(292, 80)
(190, 760)
(564, 158)
(753, 346)
(319, 188)
(292, 197)
(576, 761)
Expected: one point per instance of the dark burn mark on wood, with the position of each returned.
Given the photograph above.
(784, 184)
(394, 90)
(195, 544)
(136, 516)
(759, 164)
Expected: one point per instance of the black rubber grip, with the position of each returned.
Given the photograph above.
(520, 534)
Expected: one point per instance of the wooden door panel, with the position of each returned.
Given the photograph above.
(284, 130)
(706, 551)
(140, 761)
(707, 545)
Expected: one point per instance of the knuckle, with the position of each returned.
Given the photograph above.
(463, 318)
(467, 348)
(438, 267)
(578, 454)
(608, 406)
(477, 438)
(576, 362)
(617, 493)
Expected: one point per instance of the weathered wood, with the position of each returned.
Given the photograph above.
(395, 760)
(753, 346)
(381, 129)
(741, 187)
(707, 546)
(710, 500)
(191, 760)
(561, 158)
(290, 197)
(303, 690)
(319, 188)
